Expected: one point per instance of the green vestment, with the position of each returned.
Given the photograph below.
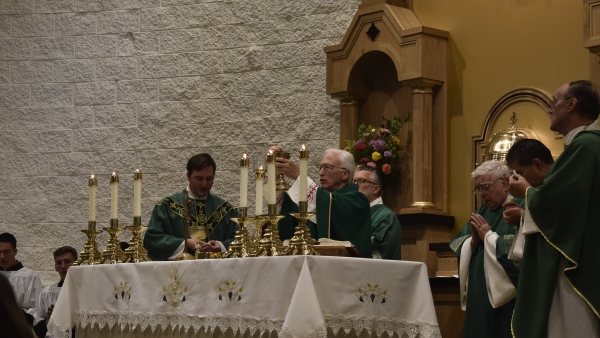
(386, 233)
(482, 320)
(566, 209)
(165, 231)
(350, 218)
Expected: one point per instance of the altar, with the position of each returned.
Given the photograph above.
(289, 296)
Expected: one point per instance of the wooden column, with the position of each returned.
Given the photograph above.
(348, 120)
(422, 145)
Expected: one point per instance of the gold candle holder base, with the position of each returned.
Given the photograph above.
(136, 252)
(271, 244)
(113, 253)
(90, 254)
(239, 247)
(258, 222)
(302, 243)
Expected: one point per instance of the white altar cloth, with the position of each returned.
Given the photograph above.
(293, 296)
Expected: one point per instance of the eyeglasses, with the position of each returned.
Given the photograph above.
(553, 101)
(328, 167)
(485, 187)
(361, 181)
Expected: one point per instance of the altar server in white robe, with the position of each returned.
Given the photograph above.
(25, 282)
(64, 257)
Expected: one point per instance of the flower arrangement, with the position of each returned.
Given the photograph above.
(379, 148)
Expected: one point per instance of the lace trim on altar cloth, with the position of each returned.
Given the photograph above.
(163, 321)
(241, 324)
(380, 325)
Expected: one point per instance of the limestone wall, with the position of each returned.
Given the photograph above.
(97, 86)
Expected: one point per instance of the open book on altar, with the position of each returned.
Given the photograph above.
(333, 242)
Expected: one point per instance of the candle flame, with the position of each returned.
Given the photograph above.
(270, 152)
(92, 177)
(244, 156)
(261, 167)
(303, 147)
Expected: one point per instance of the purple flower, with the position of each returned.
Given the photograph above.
(361, 299)
(239, 298)
(387, 153)
(383, 300)
(377, 144)
(358, 142)
(122, 294)
(183, 299)
(230, 294)
(372, 298)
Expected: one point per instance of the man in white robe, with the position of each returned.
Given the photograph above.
(64, 257)
(25, 282)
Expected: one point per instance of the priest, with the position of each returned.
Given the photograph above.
(342, 212)
(558, 293)
(25, 282)
(386, 232)
(64, 257)
(488, 279)
(165, 237)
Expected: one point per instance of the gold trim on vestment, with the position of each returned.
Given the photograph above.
(567, 257)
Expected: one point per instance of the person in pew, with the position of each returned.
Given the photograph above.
(488, 279)
(558, 293)
(12, 322)
(64, 257)
(165, 239)
(386, 232)
(25, 282)
(342, 212)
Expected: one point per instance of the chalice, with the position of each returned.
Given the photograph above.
(200, 234)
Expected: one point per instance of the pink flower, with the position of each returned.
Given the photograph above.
(365, 135)
(386, 168)
(364, 160)
(385, 131)
(372, 165)
(360, 147)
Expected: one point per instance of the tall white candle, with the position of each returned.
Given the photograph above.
(270, 159)
(114, 196)
(303, 173)
(137, 193)
(244, 164)
(93, 184)
(260, 179)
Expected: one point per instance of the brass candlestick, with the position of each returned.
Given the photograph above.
(239, 248)
(282, 185)
(90, 254)
(302, 243)
(258, 222)
(113, 253)
(136, 252)
(271, 244)
(185, 256)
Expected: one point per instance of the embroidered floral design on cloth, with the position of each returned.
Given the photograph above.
(372, 294)
(230, 291)
(174, 292)
(122, 291)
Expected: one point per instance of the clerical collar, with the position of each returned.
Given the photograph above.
(60, 284)
(15, 267)
(571, 135)
(192, 196)
(376, 201)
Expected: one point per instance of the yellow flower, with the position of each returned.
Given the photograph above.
(375, 156)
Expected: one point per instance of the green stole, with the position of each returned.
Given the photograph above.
(566, 209)
(165, 231)
(481, 319)
(345, 215)
(386, 232)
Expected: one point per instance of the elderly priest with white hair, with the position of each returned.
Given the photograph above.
(488, 278)
(342, 212)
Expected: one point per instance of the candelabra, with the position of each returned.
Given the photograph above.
(136, 252)
(301, 243)
(113, 253)
(240, 248)
(270, 244)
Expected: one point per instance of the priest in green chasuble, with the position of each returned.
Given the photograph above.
(558, 294)
(165, 236)
(386, 232)
(488, 279)
(342, 212)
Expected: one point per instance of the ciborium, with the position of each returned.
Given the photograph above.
(282, 185)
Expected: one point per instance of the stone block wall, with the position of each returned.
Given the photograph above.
(96, 86)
